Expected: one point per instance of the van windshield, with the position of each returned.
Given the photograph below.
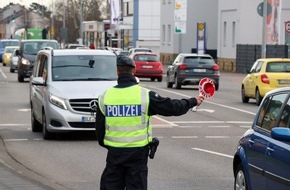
(84, 67)
(33, 47)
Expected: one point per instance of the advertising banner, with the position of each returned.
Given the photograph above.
(273, 22)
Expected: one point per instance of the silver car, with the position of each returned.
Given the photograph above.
(65, 86)
(14, 62)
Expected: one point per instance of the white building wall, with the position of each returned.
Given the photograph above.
(149, 25)
(196, 9)
(249, 24)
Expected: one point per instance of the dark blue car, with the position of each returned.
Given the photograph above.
(262, 158)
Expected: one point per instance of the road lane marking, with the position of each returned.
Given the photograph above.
(2, 73)
(12, 124)
(216, 137)
(212, 152)
(219, 126)
(184, 137)
(15, 140)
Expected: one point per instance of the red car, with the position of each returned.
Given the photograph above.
(148, 66)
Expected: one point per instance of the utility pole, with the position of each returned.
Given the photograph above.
(81, 23)
(264, 43)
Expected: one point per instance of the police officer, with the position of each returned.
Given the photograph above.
(123, 127)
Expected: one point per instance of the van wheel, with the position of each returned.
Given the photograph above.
(35, 125)
(46, 134)
(159, 79)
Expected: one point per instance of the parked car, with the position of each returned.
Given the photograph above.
(14, 61)
(7, 42)
(134, 50)
(124, 52)
(64, 86)
(265, 75)
(27, 52)
(74, 46)
(7, 54)
(261, 160)
(148, 65)
(190, 68)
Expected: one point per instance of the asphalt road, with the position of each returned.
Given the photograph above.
(195, 151)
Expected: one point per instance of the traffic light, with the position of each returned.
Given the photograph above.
(44, 33)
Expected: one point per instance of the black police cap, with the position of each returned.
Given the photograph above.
(123, 60)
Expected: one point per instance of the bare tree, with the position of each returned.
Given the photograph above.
(92, 11)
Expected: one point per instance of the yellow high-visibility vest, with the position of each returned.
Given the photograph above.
(127, 121)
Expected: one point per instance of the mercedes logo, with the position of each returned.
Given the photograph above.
(94, 105)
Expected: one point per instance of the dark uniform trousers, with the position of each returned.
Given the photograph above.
(126, 168)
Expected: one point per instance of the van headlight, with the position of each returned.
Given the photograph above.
(59, 102)
(25, 62)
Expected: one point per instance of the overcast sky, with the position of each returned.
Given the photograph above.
(26, 3)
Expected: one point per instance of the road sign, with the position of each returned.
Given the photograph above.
(287, 26)
(179, 27)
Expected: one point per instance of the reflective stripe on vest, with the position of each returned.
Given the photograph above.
(127, 120)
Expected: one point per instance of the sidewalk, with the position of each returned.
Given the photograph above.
(15, 176)
(10, 180)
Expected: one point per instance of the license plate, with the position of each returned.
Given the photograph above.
(283, 82)
(86, 119)
(199, 70)
(147, 66)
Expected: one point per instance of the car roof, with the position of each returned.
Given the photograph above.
(39, 40)
(11, 47)
(273, 59)
(195, 54)
(61, 52)
(143, 53)
(9, 40)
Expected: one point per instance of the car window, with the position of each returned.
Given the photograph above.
(285, 116)
(42, 68)
(256, 67)
(85, 67)
(198, 60)
(278, 67)
(270, 110)
(149, 58)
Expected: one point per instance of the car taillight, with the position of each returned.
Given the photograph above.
(265, 79)
(215, 67)
(182, 67)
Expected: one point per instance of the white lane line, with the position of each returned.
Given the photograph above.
(2, 73)
(219, 126)
(213, 122)
(12, 124)
(15, 140)
(165, 121)
(212, 152)
(197, 126)
(216, 137)
(184, 137)
(181, 122)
